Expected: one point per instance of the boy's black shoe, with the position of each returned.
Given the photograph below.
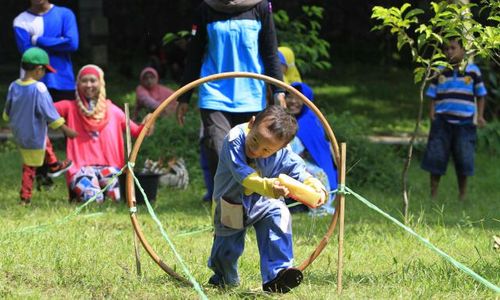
(286, 280)
(218, 282)
(44, 182)
(59, 167)
(25, 202)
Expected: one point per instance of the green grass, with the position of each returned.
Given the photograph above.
(92, 255)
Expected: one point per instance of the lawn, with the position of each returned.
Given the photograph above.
(91, 256)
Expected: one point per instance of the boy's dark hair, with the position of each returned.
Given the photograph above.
(282, 124)
(28, 66)
(456, 38)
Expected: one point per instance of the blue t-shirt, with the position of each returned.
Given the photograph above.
(56, 32)
(454, 93)
(28, 109)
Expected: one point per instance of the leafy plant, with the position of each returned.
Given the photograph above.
(367, 163)
(425, 38)
(302, 35)
(488, 138)
(170, 37)
(491, 77)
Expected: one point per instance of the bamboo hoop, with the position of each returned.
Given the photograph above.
(137, 145)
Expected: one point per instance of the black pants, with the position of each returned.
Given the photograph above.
(216, 124)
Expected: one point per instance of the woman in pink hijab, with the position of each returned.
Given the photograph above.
(150, 94)
(98, 150)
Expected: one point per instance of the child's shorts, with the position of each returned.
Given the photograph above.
(445, 139)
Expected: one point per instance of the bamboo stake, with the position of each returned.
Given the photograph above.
(129, 149)
(341, 217)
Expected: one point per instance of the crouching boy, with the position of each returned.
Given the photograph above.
(247, 193)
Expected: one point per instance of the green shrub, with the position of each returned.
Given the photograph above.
(488, 138)
(171, 140)
(8, 146)
(367, 163)
(302, 34)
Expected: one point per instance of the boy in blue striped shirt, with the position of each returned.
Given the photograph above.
(456, 109)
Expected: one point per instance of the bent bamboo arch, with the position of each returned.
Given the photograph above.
(137, 145)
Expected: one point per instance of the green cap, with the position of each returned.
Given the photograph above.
(37, 56)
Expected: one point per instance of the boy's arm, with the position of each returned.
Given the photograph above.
(6, 110)
(66, 42)
(68, 131)
(233, 157)
(254, 183)
(23, 39)
(46, 108)
(432, 109)
(481, 122)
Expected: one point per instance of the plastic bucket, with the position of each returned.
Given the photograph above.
(149, 183)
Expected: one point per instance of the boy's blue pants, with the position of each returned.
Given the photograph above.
(274, 240)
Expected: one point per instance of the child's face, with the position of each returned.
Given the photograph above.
(89, 85)
(39, 72)
(260, 142)
(293, 104)
(454, 52)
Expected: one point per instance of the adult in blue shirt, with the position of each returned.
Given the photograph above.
(230, 36)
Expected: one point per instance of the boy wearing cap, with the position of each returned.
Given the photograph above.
(28, 109)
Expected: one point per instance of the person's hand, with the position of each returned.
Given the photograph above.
(68, 132)
(279, 189)
(279, 98)
(151, 129)
(181, 111)
(481, 122)
(324, 196)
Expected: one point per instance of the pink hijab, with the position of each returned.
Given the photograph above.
(152, 97)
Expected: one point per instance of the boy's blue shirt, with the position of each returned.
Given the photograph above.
(28, 109)
(57, 33)
(234, 167)
(455, 91)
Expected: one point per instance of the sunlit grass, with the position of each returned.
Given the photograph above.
(92, 255)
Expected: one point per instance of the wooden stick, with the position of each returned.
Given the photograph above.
(129, 149)
(341, 217)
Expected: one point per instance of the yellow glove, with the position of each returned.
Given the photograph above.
(260, 185)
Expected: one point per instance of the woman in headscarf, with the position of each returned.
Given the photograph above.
(290, 71)
(150, 94)
(97, 152)
(311, 143)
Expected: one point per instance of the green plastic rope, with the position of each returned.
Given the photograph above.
(340, 190)
(193, 232)
(66, 219)
(427, 243)
(196, 285)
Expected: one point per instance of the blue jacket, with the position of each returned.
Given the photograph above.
(224, 42)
